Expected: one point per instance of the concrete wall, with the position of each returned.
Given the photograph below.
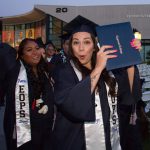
(138, 15)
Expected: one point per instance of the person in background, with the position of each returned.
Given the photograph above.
(9, 38)
(50, 51)
(19, 38)
(62, 56)
(28, 91)
(93, 105)
(6, 64)
(143, 118)
(41, 46)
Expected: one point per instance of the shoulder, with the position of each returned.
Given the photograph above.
(56, 59)
(63, 71)
(63, 68)
(57, 56)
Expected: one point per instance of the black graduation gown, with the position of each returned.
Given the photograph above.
(75, 104)
(60, 58)
(57, 59)
(38, 122)
(7, 62)
(131, 138)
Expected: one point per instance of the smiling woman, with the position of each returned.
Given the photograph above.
(29, 100)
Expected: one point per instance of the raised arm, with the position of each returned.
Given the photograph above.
(102, 57)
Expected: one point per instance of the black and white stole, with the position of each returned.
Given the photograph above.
(23, 127)
(94, 131)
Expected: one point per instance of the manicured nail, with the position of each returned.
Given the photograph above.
(131, 42)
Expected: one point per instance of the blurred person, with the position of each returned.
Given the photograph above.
(50, 51)
(62, 56)
(6, 64)
(19, 38)
(41, 46)
(9, 38)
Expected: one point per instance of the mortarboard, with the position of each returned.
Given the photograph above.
(40, 42)
(65, 36)
(80, 24)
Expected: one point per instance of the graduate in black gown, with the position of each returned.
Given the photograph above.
(62, 56)
(6, 64)
(28, 92)
(94, 106)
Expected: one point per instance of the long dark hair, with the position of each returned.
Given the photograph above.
(85, 71)
(42, 68)
(22, 45)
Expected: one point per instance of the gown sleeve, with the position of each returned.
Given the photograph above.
(73, 98)
(7, 59)
(124, 94)
(7, 62)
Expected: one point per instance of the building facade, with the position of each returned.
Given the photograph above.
(47, 21)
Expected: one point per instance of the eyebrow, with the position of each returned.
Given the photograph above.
(28, 47)
(84, 38)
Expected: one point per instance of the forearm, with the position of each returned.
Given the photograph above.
(95, 75)
(130, 72)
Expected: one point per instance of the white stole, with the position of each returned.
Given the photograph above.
(23, 127)
(94, 131)
(114, 121)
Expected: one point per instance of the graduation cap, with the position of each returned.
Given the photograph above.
(65, 36)
(40, 42)
(80, 24)
(7, 59)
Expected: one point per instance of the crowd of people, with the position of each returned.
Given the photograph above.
(68, 100)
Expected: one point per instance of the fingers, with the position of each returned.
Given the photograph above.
(104, 47)
(104, 52)
(38, 102)
(43, 110)
(110, 51)
(136, 43)
(111, 56)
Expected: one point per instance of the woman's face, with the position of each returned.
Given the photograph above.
(43, 53)
(83, 47)
(31, 53)
(50, 51)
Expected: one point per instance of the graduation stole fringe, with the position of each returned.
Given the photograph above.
(94, 131)
(23, 127)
